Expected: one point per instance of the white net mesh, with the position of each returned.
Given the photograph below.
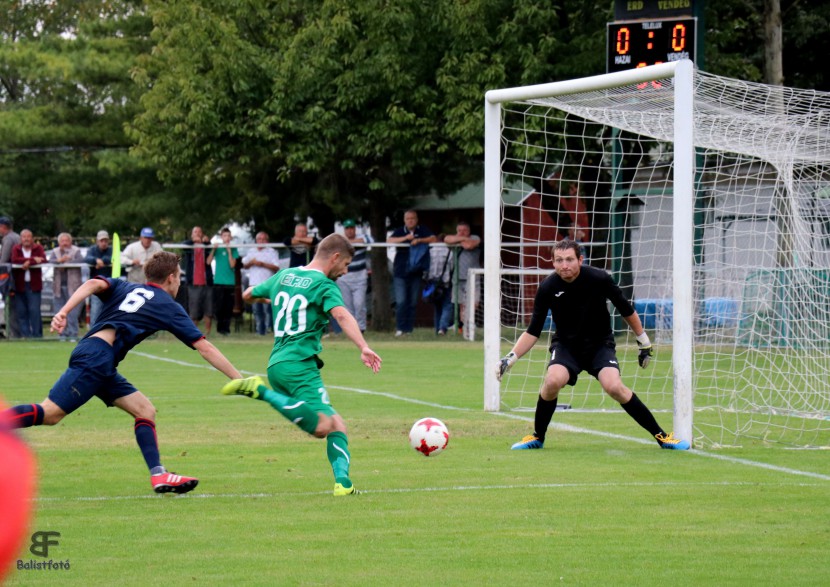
(598, 166)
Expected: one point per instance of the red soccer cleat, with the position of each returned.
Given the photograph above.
(170, 482)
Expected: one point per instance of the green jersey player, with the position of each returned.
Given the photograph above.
(303, 299)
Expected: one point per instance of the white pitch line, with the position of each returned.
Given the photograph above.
(181, 363)
(386, 491)
(555, 425)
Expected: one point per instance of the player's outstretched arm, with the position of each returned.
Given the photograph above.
(215, 357)
(524, 344)
(350, 327)
(88, 288)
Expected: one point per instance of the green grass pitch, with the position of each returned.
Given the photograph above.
(600, 505)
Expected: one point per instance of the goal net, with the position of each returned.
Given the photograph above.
(708, 201)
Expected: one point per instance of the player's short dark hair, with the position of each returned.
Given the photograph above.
(566, 244)
(160, 265)
(335, 243)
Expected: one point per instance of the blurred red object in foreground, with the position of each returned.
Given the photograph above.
(17, 491)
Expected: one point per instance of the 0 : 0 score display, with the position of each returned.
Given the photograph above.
(633, 44)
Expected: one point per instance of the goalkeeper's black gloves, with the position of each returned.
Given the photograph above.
(505, 363)
(646, 350)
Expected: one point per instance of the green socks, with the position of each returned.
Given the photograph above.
(337, 451)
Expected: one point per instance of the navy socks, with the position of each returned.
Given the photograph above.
(23, 416)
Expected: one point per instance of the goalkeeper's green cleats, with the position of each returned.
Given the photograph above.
(340, 491)
(671, 442)
(248, 386)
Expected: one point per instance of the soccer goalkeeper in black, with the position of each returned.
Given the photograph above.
(583, 341)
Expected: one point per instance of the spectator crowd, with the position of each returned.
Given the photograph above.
(426, 268)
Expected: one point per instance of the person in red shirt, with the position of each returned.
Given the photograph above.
(28, 283)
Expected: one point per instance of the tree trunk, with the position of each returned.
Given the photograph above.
(381, 278)
(773, 37)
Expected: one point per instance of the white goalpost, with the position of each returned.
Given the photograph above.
(708, 201)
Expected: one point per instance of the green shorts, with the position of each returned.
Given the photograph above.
(301, 380)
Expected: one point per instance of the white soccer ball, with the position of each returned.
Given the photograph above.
(429, 436)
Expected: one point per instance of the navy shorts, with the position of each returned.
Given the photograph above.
(91, 373)
(591, 360)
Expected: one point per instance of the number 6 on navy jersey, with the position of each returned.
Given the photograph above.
(135, 299)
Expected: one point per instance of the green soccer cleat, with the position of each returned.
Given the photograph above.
(248, 386)
(340, 491)
(671, 442)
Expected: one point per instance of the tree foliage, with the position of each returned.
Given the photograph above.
(63, 71)
(65, 93)
(332, 109)
(120, 113)
(343, 107)
(734, 41)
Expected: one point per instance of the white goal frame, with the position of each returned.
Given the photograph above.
(683, 224)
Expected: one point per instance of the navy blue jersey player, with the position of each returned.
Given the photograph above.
(577, 298)
(131, 313)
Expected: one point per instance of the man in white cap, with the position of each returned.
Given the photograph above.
(136, 254)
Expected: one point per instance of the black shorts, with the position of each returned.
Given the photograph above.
(591, 360)
(200, 302)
